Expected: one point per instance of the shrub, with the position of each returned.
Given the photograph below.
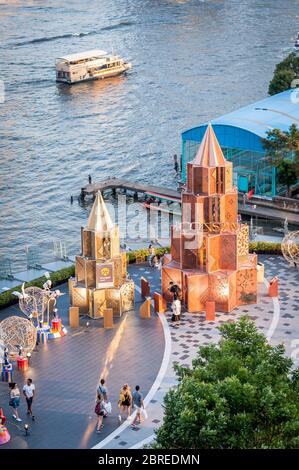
(59, 277)
(140, 256)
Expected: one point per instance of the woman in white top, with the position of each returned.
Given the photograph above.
(14, 399)
(176, 307)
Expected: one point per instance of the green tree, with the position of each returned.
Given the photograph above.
(287, 174)
(282, 151)
(285, 72)
(241, 393)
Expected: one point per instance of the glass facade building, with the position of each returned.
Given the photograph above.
(239, 134)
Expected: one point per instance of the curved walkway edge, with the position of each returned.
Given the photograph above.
(186, 340)
(161, 374)
(276, 314)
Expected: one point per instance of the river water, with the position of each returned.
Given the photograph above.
(192, 60)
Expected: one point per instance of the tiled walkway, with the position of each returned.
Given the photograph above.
(277, 320)
(66, 372)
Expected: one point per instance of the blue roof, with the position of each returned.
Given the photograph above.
(277, 111)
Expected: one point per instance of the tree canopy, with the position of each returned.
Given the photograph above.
(282, 150)
(241, 393)
(285, 72)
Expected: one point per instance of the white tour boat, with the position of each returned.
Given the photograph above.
(89, 65)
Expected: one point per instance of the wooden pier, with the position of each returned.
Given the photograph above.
(256, 207)
(130, 186)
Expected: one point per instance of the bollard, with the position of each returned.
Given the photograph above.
(108, 318)
(145, 287)
(210, 310)
(74, 317)
(145, 308)
(160, 304)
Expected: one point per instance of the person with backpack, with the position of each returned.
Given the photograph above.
(100, 412)
(125, 402)
(175, 290)
(102, 389)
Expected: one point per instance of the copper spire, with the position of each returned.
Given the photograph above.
(99, 218)
(209, 152)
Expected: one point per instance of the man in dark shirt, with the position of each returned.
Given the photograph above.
(138, 404)
(175, 290)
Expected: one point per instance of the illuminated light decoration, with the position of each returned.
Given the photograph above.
(4, 434)
(16, 333)
(32, 302)
(290, 248)
(209, 256)
(101, 269)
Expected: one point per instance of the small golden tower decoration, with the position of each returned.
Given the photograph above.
(101, 269)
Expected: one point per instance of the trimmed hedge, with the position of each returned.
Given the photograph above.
(59, 277)
(256, 247)
(139, 256)
(265, 248)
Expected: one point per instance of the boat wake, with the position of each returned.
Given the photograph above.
(122, 24)
(53, 38)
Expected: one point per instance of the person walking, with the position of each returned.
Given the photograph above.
(174, 290)
(29, 392)
(102, 389)
(176, 308)
(125, 402)
(100, 412)
(152, 253)
(14, 401)
(137, 398)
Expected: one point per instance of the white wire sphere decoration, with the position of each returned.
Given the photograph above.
(18, 332)
(290, 247)
(34, 303)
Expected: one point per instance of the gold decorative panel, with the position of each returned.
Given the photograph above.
(99, 303)
(242, 241)
(127, 292)
(80, 298)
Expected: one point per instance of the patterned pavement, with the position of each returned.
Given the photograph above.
(67, 372)
(194, 331)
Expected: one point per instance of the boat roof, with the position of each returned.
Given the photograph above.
(83, 55)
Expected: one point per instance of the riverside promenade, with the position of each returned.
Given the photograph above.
(66, 371)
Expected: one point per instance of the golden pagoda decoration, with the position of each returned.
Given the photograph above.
(101, 269)
(209, 258)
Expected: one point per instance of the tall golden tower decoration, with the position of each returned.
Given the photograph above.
(101, 269)
(209, 256)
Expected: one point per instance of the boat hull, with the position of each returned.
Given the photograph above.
(99, 76)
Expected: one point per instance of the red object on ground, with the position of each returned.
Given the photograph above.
(22, 363)
(210, 310)
(273, 287)
(2, 417)
(56, 325)
(250, 193)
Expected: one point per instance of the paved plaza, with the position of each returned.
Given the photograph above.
(66, 371)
